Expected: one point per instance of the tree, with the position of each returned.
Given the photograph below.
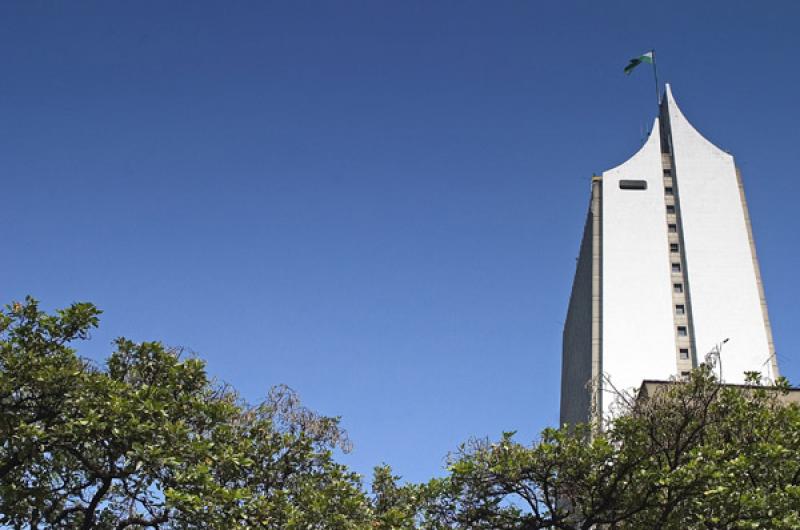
(149, 441)
(692, 455)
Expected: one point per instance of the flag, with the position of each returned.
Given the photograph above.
(645, 58)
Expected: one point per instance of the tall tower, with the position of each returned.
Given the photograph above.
(667, 271)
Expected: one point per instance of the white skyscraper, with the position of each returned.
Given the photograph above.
(667, 270)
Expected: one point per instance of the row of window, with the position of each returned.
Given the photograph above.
(676, 268)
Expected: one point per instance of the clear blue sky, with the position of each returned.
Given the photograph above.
(376, 203)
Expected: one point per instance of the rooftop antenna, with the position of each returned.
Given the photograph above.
(655, 78)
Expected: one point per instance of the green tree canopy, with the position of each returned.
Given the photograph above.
(149, 441)
(692, 455)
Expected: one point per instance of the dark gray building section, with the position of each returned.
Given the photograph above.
(576, 368)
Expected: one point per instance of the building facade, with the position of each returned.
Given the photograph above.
(667, 272)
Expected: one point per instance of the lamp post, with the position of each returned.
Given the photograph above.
(714, 356)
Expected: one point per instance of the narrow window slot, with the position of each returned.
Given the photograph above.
(633, 184)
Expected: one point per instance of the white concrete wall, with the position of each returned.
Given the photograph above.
(721, 276)
(638, 341)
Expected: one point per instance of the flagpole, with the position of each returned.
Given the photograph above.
(655, 78)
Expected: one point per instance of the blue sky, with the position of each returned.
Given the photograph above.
(377, 203)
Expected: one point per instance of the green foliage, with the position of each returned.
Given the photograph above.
(405, 507)
(693, 455)
(149, 441)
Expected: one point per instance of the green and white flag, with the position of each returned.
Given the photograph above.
(645, 58)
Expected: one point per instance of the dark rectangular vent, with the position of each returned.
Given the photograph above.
(633, 184)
